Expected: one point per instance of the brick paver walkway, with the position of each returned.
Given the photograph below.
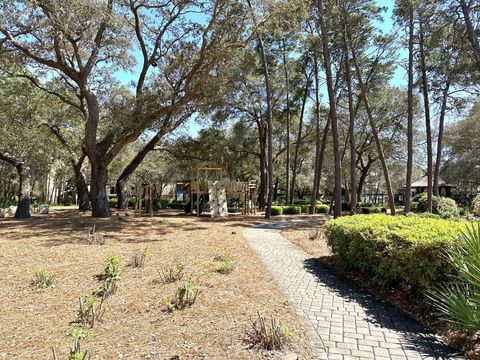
(343, 321)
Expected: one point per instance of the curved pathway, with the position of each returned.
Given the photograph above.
(342, 320)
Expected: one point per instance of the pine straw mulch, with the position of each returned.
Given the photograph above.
(309, 236)
(32, 322)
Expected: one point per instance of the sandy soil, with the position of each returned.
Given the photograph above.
(32, 322)
(309, 236)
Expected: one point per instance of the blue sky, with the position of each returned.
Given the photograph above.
(399, 78)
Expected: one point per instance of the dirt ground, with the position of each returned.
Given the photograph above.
(32, 321)
(309, 236)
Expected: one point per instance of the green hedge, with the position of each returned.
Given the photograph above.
(403, 251)
(301, 202)
(323, 209)
(277, 210)
(305, 209)
(443, 206)
(292, 210)
(112, 202)
(370, 210)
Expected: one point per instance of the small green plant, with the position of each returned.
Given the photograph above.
(111, 276)
(268, 334)
(77, 336)
(90, 311)
(139, 258)
(42, 279)
(225, 262)
(458, 301)
(75, 352)
(171, 273)
(185, 296)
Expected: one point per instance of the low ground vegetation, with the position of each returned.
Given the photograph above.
(268, 333)
(135, 312)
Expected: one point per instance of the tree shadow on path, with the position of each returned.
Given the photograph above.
(381, 314)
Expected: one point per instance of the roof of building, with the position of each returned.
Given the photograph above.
(423, 182)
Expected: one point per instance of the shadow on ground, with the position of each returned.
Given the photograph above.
(382, 314)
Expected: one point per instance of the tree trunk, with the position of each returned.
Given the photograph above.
(287, 85)
(98, 193)
(317, 165)
(23, 208)
(472, 36)
(299, 139)
(351, 113)
(381, 155)
(262, 190)
(428, 127)
(266, 76)
(408, 184)
(275, 189)
(81, 185)
(121, 189)
(363, 176)
(333, 111)
(82, 192)
(121, 184)
(441, 126)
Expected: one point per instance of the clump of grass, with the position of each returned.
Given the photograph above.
(111, 276)
(315, 234)
(75, 352)
(90, 311)
(268, 333)
(42, 278)
(225, 262)
(95, 239)
(185, 296)
(171, 273)
(77, 337)
(140, 258)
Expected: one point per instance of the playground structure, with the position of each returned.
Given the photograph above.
(208, 191)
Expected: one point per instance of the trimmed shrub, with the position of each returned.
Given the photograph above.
(132, 201)
(292, 210)
(403, 251)
(323, 208)
(305, 209)
(370, 210)
(112, 202)
(364, 204)
(301, 202)
(445, 207)
(476, 205)
(277, 210)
